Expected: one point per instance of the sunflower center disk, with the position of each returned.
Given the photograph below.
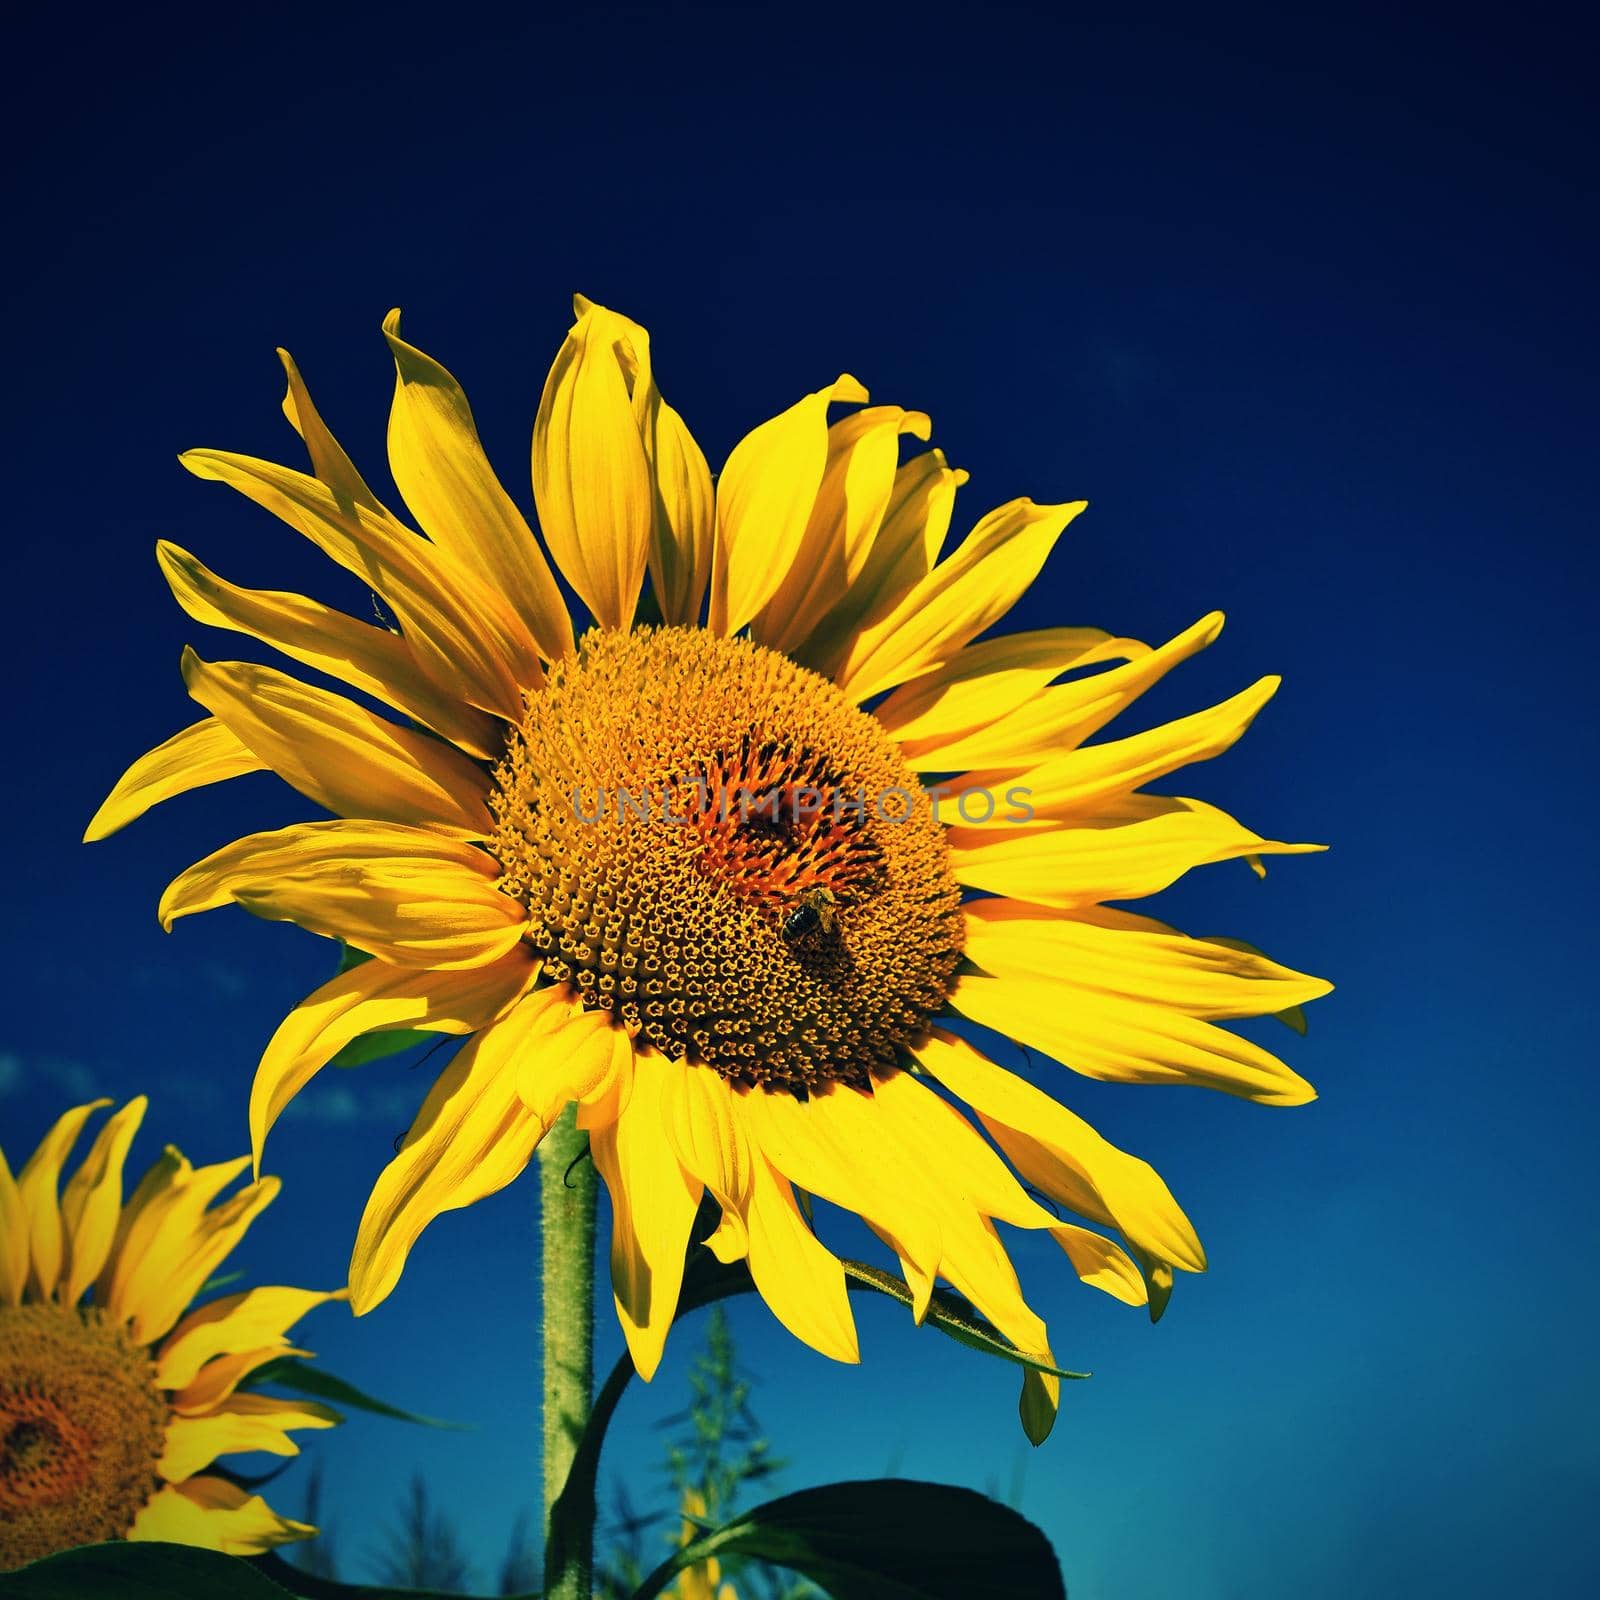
(81, 1430)
(714, 844)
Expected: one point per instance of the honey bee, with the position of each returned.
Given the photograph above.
(816, 912)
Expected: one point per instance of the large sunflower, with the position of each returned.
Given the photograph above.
(550, 848)
(115, 1393)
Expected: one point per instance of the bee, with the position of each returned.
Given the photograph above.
(816, 912)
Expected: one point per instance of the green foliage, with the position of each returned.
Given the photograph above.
(707, 1281)
(300, 1377)
(423, 1550)
(138, 1572)
(374, 1046)
(151, 1571)
(715, 1450)
(720, 1447)
(317, 1556)
(952, 1316)
(887, 1539)
(522, 1566)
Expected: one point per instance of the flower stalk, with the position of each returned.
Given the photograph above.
(567, 1188)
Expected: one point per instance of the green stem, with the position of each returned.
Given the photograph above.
(567, 1189)
(572, 1517)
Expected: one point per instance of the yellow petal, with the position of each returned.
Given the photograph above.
(91, 1205)
(328, 459)
(465, 635)
(764, 498)
(606, 1097)
(966, 1165)
(799, 1278)
(185, 1247)
(560, 1053)
(13, 1238)
(1134, 847)
(975, 1263)
(339, 754)
(160, 1227)
(1051, 723)
(682, 533)
(1062, 1156)
(591, 477)
(704, 1123)
(373, 660)
(1086, 705)
(932, 1186)
(653, 1204)
(403, 895)
(897, 558)
(988, 681)
(471, 1138)
(206, 752)
(1103, 1263)
(222, 1377)
(1123, 1040)
(818, 1144)
(141, 1214)
(38, 1186)
(445, 478)
(682, 514)
(243, 1423)
(375, 997)
(958, 600)
(214, 1514)
(863, 451)
(968, 1186)
(1101, 951)
(234, 1323)
(1070, 784)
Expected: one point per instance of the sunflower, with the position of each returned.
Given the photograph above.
(115, 1393)
(726, 870)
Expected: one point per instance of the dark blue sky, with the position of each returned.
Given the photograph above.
(1304, 312)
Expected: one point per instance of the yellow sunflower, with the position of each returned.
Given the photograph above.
(691, 870)
(115, 1393)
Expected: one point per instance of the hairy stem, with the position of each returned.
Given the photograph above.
(567, 1187)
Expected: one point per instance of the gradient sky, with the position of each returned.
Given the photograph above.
(1305, 313)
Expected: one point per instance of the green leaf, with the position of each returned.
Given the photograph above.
(300, 1377)
(308, 1586)
(349, 957)
(375, 1046)
(706, 1281)
(953, 1316)
(886, 1539)
(1293, 1017)
(125, 1571)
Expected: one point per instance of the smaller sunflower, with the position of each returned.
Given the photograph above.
(115, 1393)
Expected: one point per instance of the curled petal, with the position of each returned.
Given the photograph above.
(207, 751)
(440, 467)
(764, 499)
(216, 1514)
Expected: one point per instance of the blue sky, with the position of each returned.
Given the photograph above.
(1303, 312)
